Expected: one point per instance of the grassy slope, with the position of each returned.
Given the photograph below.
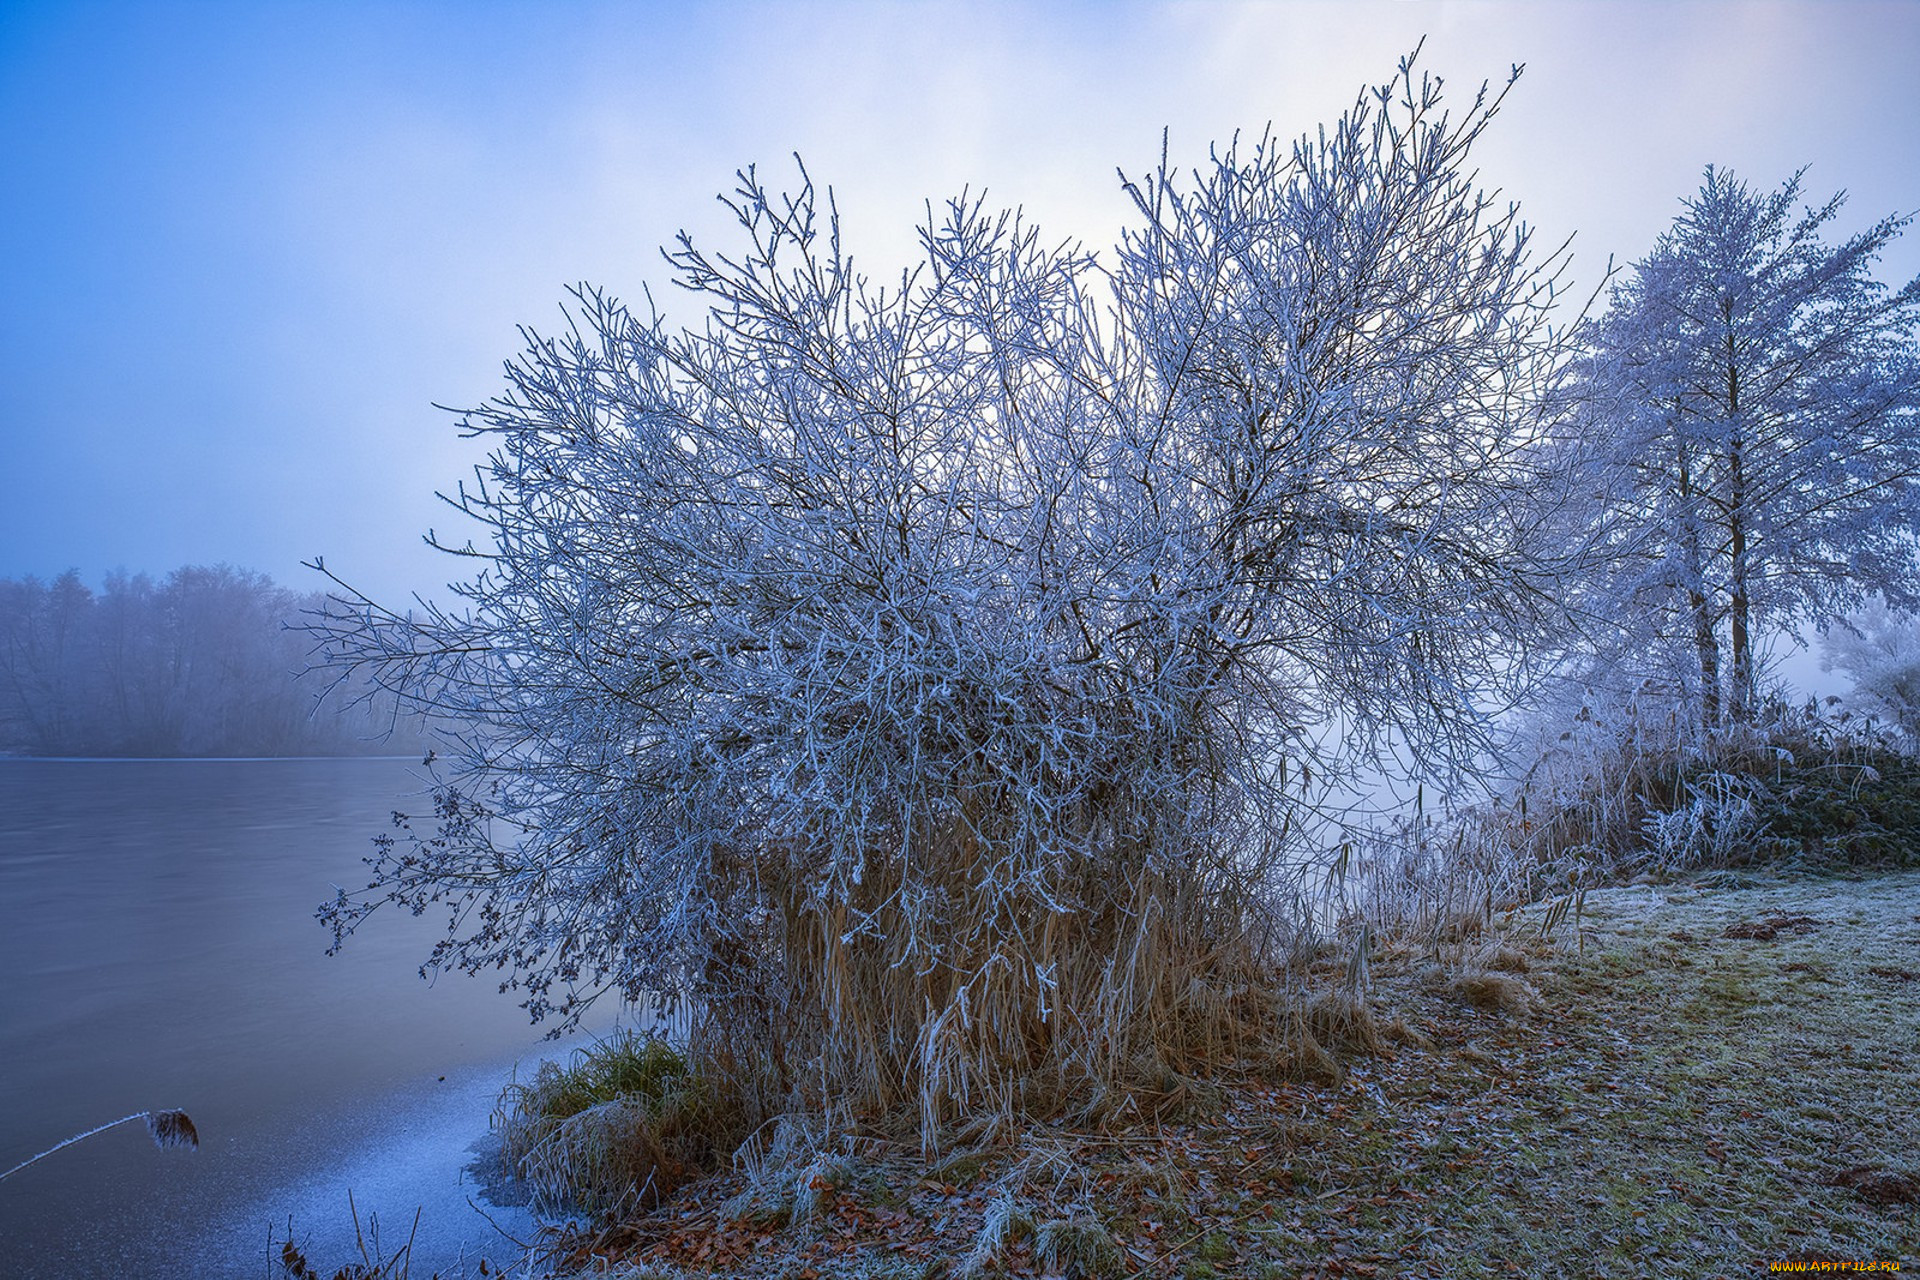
(1678, 1102)
(1687, 1098)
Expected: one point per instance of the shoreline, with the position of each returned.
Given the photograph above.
(416, 1147)
(410, 1149)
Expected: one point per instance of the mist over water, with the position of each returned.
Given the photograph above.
(157, 933)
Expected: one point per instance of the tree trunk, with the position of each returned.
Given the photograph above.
(1742, 694)
(1706, 644)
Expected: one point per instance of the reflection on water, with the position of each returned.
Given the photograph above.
(158, 949)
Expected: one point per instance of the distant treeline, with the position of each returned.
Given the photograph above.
(201, 663)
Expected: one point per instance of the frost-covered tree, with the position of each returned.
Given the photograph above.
(1754, 389)
(1880, 648)
(930, 681)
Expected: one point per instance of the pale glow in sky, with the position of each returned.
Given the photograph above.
(246, 248)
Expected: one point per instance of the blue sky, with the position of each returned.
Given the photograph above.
(247, 247)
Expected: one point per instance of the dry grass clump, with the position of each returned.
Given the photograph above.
(1399, 1031)
(622, 1125)
(1420, 888)
(1005, 1224)
(1040, 1210)
(791, 1178)
(1078, 1246)
(959, 1168)
(1305, 1058)
(1343, 1022)
(1506, 959)
(1498, 992)
(602, 1159)
(1074, 986)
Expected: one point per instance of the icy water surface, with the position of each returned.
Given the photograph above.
(158, 949)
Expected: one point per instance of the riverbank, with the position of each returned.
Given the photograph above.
(1695, 1079)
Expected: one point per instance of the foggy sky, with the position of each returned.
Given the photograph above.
(246, 248)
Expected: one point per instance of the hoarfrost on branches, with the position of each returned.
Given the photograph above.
(1754, 399)
(931, 682)
(1880, 648)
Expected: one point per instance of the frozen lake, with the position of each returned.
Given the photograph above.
(159, 948)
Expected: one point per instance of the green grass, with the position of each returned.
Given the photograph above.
(623, 1124)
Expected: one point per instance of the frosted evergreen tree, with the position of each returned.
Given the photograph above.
(1755, 391)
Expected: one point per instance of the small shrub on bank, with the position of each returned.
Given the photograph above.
(627, 1121)
(1857, 809)
(1617, 793)
(1625, 795)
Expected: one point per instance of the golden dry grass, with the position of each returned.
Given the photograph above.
(1674, 1101)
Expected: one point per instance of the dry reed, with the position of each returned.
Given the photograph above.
(168, 1129)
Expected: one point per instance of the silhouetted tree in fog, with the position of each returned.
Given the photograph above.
(200, 664)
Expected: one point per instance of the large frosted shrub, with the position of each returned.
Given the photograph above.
(928, 682)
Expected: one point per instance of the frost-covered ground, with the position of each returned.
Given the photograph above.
(1719, 1075)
